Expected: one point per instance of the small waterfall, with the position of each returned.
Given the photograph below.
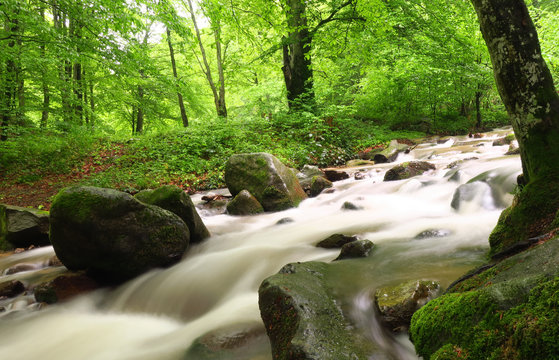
(418, 235)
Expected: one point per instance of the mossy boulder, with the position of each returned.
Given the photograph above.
(177, 201)
(273, 184)
(302, 318)
(318, 184)
(244, 204)
(23, 227)
(503, 311)
(113, 235)
(397, 303)
(407, 170)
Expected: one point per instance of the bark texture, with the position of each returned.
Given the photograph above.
(526, 88)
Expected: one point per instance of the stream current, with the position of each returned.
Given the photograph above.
(161, 313)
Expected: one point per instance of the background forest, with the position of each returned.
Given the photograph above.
(131, 94)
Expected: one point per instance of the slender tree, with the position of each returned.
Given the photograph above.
(175, 75)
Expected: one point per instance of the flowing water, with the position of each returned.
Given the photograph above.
(160, 314)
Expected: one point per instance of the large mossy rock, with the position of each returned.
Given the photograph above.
(113, 235)
(302, 318)
(407, 170)
(501, 311)
(273, 184)
(175, 200)
(22, 227)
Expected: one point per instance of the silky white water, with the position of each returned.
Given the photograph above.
(158, 315)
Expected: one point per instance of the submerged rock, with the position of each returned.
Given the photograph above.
(397, 304)
(11, 288)
(478, 192)
(503, 311)
(23, 227)
(302, 318)
(65, 287)
(235, 342)
(350, 206)
(178, 202)
(244, 204)
(334, 175)
(113, 235)
(355, 249)
(273, 184)
(432, 233)
(407, 170)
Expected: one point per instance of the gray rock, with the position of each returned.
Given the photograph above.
(244, 204)
(397, 304)
(175, 200)
(273, 184)
(112, 234)
(11, 288)
(432, 233)
(23, 227)
(478, 191)
(306, 174)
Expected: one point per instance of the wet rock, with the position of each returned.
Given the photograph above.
(380, 159)
(359, 162)
(359, 175)
(407, 170)
(11, 289)
(477, 192)
(432, 233)
(336, 241)
(302, 318)
(235, 342)
(112, 234)
(273, 184)
(355, 249)
(391, 152)
(318, 184)
(21, 268)
(397, 304)
(350, 206)
(499, 310)
(244, 204)
(175, 200)
(334, 175)
(23, 227)
(65, 287)
(306, 174)
(507, 140)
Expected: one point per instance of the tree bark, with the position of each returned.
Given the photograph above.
(526, 88)
(207, 70)
(175, 75)
(297, 70)
(221, 107)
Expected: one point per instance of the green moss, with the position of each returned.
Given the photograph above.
(510, 138)
(533, 213)
(4, 244)
(481, 327)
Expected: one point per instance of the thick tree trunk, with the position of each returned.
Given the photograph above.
(526, 88)
(297, 70)
(175, 75)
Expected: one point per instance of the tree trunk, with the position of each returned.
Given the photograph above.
(206, 68)
(140, 111)
(526, 88)
(174, 66)
(297, 70)
(46, 92)
(221, 107)
(478, 108)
